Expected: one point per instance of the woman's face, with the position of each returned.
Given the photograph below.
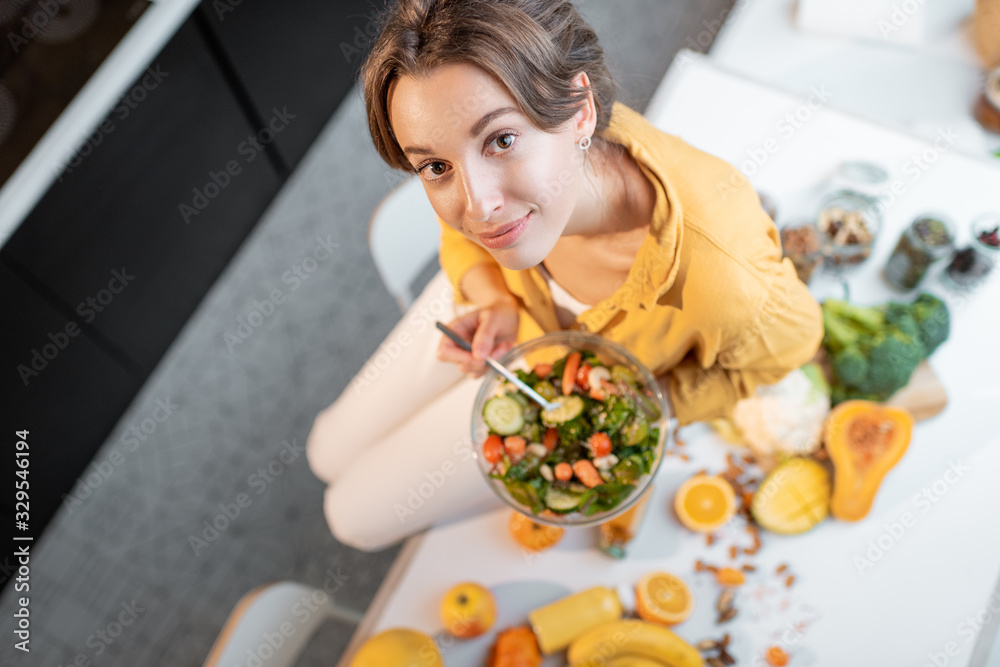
(484, 166)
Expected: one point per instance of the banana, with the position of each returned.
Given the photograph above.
(617, 639)
(626, 661)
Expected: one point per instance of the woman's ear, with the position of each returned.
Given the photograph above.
(585, 120)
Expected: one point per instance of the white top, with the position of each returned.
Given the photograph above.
(567, 308)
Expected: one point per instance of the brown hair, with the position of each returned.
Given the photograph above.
(533, 47)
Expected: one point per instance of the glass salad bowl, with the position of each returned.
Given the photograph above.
(587, 461)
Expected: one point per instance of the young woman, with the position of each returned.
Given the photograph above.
(560, 208)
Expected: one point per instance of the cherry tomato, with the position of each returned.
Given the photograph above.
(564, 472)
(493, 449)
(600, 444)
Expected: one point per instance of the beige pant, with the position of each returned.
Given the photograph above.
(396, 446)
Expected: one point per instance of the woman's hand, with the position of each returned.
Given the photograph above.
(492, 330)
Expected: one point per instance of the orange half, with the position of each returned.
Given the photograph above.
(663, 598)
(705, 503)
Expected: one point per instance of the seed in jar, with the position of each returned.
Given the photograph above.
(546, 472)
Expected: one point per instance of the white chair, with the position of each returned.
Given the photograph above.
(403, 236)
(271, 625)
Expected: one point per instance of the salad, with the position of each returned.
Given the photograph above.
(585, 456)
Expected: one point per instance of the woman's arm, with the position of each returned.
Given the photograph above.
(483, 285)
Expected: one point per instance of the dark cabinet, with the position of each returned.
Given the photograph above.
(59, 385)
(99, 279)
(132, 238)
(299, 55)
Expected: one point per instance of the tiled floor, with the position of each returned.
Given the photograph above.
(152, 533)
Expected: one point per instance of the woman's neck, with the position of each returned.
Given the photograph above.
(617, 200)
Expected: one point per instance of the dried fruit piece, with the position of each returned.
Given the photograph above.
(727, 576)
(776, 656)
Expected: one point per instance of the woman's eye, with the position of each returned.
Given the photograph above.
(434, 170)
(504, 141)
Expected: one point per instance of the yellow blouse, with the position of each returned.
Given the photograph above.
(709, 301)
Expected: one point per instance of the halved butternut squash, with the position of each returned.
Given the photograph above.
(864, 440)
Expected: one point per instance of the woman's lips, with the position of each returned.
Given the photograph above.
(508, 237)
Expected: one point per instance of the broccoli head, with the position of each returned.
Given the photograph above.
(933, 321)
(892, 360)
(845, 324)
(900, 317)
(850, 366)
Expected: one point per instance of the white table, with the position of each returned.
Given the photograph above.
(916, 88)
(913, 600)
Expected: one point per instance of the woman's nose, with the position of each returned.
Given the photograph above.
(482, 196)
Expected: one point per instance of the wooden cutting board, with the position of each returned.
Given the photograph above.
(924, 397)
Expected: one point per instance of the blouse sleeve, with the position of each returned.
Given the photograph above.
(768, 325)
(783, 336)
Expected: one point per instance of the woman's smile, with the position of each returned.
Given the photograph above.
(508, 234)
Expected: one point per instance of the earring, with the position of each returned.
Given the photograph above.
(584, 143)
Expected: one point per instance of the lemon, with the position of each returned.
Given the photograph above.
(398, 647)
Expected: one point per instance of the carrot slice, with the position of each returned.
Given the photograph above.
(551, 438)
(569, 373)
(515, 446)
(543, 370)
(587, 473)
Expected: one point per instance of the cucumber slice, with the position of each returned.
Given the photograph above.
(636, 431)
(560, 500)
(622, 374)
(503, 415)
(546, 390)
(569, 408)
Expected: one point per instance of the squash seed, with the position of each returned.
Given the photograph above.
(727, 615)
(725, 601)
(707, 645)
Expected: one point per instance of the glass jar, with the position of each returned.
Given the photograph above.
(928, 239)
(800, 242)
(863, 178)
(848, 223)
(970, 266)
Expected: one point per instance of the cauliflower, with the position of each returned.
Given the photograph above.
(785, 419)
